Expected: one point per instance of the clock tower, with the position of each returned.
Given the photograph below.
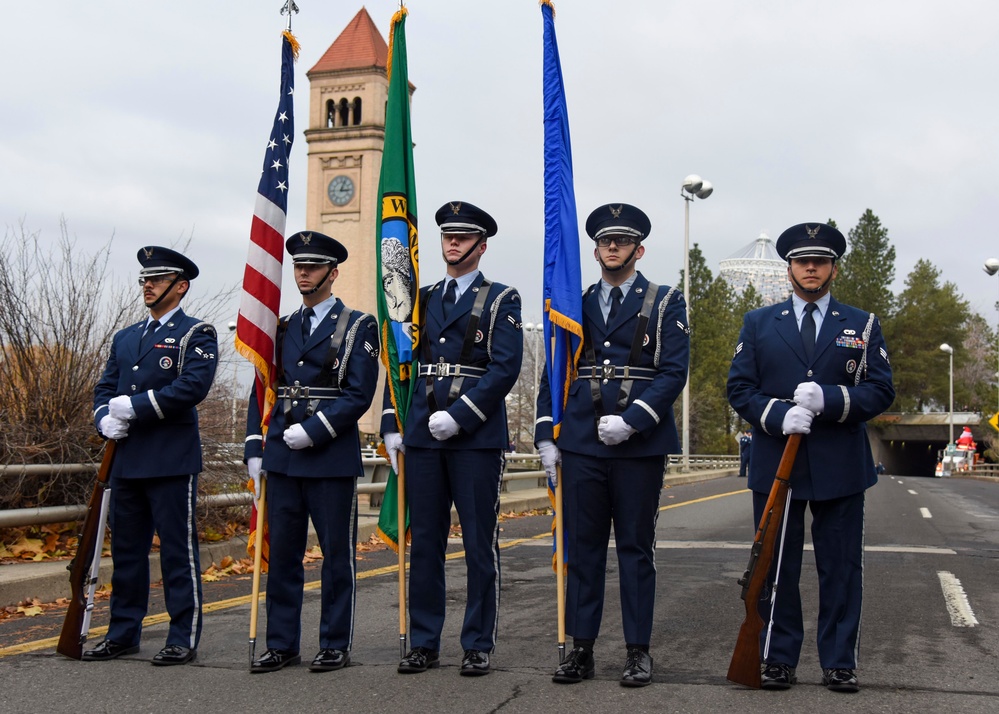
(348, 89)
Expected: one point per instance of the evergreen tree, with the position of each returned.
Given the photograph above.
(929, 314)
(866, 271)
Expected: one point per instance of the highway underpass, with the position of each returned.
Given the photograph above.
(907, 444)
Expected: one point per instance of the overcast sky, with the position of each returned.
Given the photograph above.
(147, 121)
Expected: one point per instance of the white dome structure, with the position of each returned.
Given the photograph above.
(758, 264)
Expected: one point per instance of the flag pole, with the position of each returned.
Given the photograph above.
(560, 564)
(258, 550)
(401, 520)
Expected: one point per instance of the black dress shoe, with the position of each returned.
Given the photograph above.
(273, 660)
(174, 654)
(637, 669)
(329, 661)
(108, 649)
(419, 659)
(577, 666)
(475, 663)
(840, 680)
(777, 676)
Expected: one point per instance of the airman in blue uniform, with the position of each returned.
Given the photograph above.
(616, 432)
(327, 373)
(159, 370)
(813, 366)
(454, 439)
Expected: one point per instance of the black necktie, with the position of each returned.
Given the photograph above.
(808, 330)
(615, 304)
(147, 336)
(307, 314)
(449, 296)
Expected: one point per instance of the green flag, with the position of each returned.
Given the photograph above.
(398, 256)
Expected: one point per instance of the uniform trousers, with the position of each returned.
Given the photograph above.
(598, 491)
(332, 504)
(140, 507)
(838, 539)
(469, 479)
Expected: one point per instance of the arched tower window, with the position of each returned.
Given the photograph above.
(357, 111)
(330, 113)
(344, 113)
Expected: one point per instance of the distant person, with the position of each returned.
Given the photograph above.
(880, 468)
(617, 430)
(745, 443)
(159, 371)
(813, 366)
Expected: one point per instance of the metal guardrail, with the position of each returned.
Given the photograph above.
(374, 468)
(701, 462)
(376, 474)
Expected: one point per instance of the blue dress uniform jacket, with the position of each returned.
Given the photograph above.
(619, 485)
(333, 426)
(768, 365)
(154, 478)
(650, 404)
(465, 470)
(163, 439)
(318, 481)
(832, 470)
(480, 409)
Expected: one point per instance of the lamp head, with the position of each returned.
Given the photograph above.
(991, 266)
(947, 348)
(692, 184)
(232, 326)
(706, 190)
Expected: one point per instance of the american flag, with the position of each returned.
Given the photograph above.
(261, 300)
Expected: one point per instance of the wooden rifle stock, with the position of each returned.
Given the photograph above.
(745, 665)
(80, 569)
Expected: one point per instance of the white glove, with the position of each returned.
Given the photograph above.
(394, 445)
(613, 429)
(296, 437)
(550, 458)
(798, 420)
(121, 408)
(113, 428)
(253, 465)
(809, 396)
(443, 426)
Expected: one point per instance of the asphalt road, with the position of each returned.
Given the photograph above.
(930, 640)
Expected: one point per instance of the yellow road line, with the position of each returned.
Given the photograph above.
(313, 585)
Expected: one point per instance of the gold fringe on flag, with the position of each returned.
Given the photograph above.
(550, 4)
(295, 47)
(396, 18)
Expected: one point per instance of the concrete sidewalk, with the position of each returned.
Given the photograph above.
(49, 581)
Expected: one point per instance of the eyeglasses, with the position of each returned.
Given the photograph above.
(155, 279)
(619, 240)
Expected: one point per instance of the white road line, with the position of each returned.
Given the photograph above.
(728, 545)
(926, 513)
(956, 600)
(914, 493)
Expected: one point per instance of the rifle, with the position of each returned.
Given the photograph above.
(85, 566)
(745, 665)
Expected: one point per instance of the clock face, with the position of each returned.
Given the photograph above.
(340, 190)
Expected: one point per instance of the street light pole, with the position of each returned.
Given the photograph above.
(950, 351)
(533, 329)
(692, 186)
(992, 267)
(235, 388)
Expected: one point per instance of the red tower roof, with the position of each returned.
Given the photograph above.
(360, 45)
